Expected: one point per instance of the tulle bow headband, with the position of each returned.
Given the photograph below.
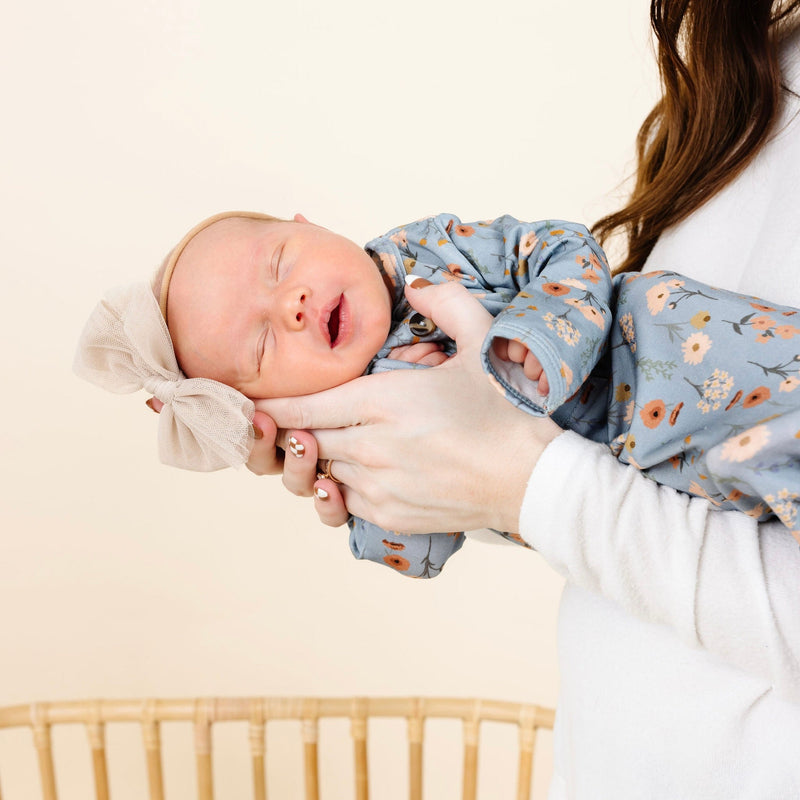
(126, 346)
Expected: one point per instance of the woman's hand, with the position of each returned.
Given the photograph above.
(423, 450)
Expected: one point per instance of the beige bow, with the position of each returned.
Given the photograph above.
(125, 346)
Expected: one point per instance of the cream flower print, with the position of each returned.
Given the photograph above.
(789, 385)
(657, 297)
(715, 390)
(628, 332)
(784, 504)
(746, 445)
(527, 243)
(563, 328)
(574, 283)
(695, 348)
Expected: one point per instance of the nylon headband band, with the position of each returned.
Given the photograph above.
(181, 246)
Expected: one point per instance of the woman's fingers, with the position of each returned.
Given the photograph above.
(300, 462)
(329, 503)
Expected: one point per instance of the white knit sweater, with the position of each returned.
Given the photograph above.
(679, 629)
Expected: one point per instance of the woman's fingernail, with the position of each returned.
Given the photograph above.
(149, 404)
(415, 282)
(320, 493)
(296, 448)
(257, 433)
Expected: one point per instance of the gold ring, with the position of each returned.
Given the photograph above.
(324, 470)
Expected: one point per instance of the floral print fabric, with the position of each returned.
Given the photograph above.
(693, 385)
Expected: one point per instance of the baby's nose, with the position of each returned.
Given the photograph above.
(293, 307)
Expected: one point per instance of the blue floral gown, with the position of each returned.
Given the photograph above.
(697, 387)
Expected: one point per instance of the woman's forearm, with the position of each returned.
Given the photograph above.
(719, 579)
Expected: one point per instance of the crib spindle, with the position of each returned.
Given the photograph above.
(97, 742)
(527, 740)
(204, 715)
(44, 749)
(471, 733)
(258, 749)
(310, 754)
(358, 731)
(415, 735)
(151, 734)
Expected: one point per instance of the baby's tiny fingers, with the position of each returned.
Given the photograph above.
(264, 459)
(155, 404)
(500, 348)
(517, 351)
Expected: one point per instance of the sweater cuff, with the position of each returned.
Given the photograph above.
(554, 472)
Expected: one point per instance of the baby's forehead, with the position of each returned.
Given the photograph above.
(224, 233)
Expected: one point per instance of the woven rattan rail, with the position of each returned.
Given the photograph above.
(258, 712)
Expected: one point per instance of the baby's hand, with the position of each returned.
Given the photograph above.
(512, 350)
(428, 353)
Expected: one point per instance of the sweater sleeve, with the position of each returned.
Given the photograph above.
(718, 578)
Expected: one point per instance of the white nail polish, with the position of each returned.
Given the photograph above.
(320, 493)
(296, 448)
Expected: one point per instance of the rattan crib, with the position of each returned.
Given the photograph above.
(203, 713)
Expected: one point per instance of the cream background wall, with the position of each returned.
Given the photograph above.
(124, 124)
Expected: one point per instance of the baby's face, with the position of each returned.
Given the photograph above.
(276, 309)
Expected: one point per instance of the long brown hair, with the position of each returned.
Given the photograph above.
(721, 93)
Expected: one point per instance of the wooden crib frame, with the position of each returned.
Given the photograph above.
(205, 712)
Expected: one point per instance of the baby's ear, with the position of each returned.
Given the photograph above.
(301, 218)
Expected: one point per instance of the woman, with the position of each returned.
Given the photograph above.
(679, 631)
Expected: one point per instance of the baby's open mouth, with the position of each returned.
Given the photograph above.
(333, 322)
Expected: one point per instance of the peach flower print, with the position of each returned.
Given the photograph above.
(566, 373)
(555, 289)
(400, 238)
(591, 275)
(593, 315)
(594, 261)
(746, 445)
(657, 297)
(695, 348)
(653, 413)
(786, 331)
(736, 398)
(394, 545)
(673, 417)
(464, 230)
(762, 323)
(397, 562)
(527, 243)
(756, 397)
(696, 489)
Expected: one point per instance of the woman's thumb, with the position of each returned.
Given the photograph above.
(451, 307)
